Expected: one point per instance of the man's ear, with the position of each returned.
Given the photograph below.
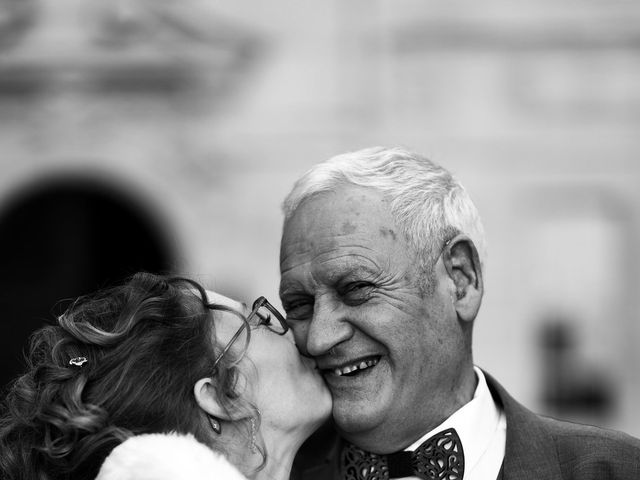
(462, 262)
(207, 399)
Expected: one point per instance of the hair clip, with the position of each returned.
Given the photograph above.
(78, 361)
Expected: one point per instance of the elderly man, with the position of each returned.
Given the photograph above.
(381, 260)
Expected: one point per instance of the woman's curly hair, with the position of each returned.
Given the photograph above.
(146, 342)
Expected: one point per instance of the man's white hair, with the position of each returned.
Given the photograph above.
(427, 203)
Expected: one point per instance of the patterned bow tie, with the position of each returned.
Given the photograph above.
(439, 458)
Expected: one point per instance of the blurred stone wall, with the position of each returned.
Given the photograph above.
(205, 112)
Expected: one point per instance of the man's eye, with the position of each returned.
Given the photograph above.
(355, 286)
(299, 310)
(356, 293)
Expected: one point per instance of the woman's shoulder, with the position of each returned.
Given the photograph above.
(165, 456)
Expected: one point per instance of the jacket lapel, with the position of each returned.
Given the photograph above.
(530, 448)
(318, 459)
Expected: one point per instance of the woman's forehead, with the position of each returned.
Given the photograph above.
(219, 299)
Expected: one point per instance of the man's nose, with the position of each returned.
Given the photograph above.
(328, 327)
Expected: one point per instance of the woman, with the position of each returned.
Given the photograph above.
(160, 355)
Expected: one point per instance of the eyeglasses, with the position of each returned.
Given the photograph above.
(262, 314)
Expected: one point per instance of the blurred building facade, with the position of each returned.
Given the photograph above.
(195, 118)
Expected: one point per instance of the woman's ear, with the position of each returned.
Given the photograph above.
(207, 399)
(462, 263)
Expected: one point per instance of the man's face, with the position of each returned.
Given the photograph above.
(350, 286)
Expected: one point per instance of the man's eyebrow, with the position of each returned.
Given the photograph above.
(369, 269)
(363, 271)
(290, 286)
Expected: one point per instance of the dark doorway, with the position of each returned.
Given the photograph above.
(62, 238)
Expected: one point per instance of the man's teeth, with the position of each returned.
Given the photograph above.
(356, 366)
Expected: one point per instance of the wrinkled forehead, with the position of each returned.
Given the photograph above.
(347, 217)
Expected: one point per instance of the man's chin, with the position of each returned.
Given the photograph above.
(356, 418)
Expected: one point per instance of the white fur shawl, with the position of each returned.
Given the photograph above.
(166, 457)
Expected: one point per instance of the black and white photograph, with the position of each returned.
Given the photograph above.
(319, 240)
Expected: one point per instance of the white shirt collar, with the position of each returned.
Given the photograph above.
(477, 423)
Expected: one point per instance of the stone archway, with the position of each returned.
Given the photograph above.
(65, 237)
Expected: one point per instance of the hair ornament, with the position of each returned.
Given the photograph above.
(78, 361)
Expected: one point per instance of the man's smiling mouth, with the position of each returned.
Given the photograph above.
(351, 369)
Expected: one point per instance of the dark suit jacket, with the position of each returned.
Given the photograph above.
(537, 448)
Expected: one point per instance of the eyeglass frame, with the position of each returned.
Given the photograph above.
(257, 304)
